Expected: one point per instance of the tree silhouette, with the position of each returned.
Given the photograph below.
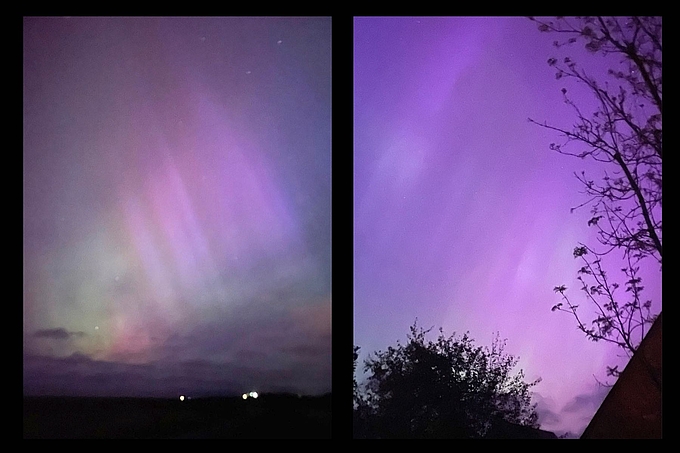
(624, 136)
(354, 369)
(362, 411)
(448, 388)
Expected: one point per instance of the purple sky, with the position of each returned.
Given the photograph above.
(177, 205)
(461, 212)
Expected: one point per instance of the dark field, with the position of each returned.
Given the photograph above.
(269, 416)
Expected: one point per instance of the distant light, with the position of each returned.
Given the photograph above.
(245, 396)
(181, 397)
(279, 41)
(253, 394)
(96, 327)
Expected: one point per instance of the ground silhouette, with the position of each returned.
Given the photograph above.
(274, 416)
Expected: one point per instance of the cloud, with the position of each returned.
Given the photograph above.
(569, 419)
(79, 375)
(300, 371)
(545, 408)
(285, 347)
(304, 351)
(266, 337)
(57, 334)
(547, 417)
(587, 402)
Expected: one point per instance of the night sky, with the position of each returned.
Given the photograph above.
(177, 202)
(176, 206)
(461, 212)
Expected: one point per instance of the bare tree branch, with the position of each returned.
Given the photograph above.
(624, 134)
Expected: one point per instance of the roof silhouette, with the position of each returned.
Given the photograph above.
(632, 408)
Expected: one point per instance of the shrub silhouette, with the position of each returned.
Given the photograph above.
(448, 388)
